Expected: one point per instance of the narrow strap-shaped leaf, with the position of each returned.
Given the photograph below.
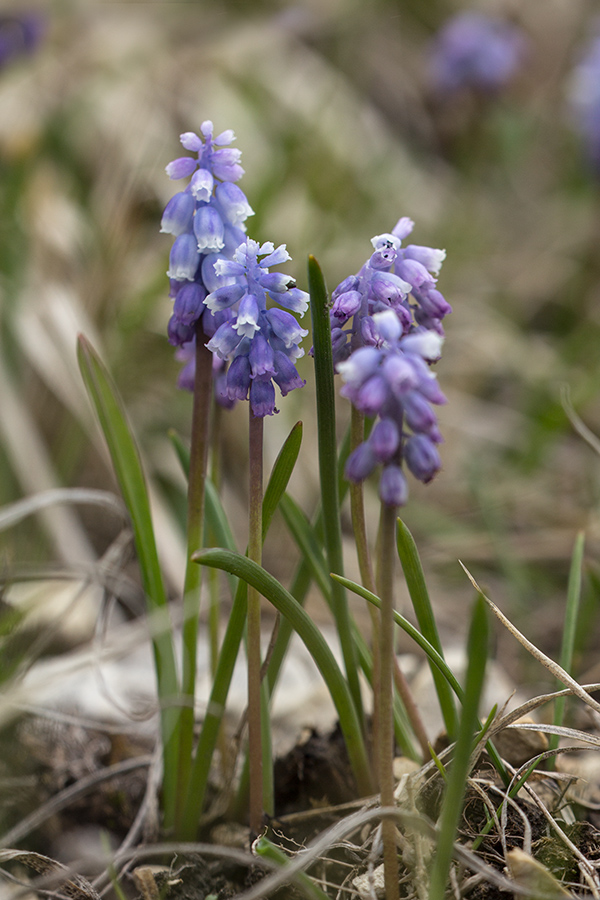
(570, 628)
(194, 802)
(306, 539)
(328, 467)
(130, 476)
(477, 654)
(303, 576)
(316, 645)
(433, 656)
(419, 595)
(280, 475)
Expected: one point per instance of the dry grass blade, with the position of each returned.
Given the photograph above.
(560, 730)
(55, 875)
(15, 512)
(559, 673)
(30, 460)
(578, 424)
(535, 703)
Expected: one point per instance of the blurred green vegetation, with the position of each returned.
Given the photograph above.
(341, 135)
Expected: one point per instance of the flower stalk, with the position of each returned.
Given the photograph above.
(385, 584)
(200, 440)
(253, 642)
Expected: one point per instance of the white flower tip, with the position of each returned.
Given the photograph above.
(247, 329)
(386, 239)
(385, 318)
(427, 344)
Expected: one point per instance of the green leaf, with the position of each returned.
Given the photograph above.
(280, 475)
(315, 643)
(306, 539)
(477, 654)
(434, 657)
(130, 476)
(328, 468)
(419, 595)
(569, 630)
(194, 802)
(432, 654)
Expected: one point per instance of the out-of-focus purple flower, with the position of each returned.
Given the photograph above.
(260, 341)
(207, 220)
(391, 379)
(20, 35)
(584, 97)
(476, 51)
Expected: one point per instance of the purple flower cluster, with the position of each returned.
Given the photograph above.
(585, 101)
(218, 279)
(394, 277)
(476, 51)
(207, 222)
(384, 357)
(261, 343)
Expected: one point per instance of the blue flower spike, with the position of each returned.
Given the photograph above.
(386, 333)
(261, 340)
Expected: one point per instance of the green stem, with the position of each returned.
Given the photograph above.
(419, 595)
(357, 512)
(253, 647)
(130, 476)
(385, 578)
(304, 575)
(325, 395)
(569, 631)
(214, 608)
(194, 801)
(317, 646)
(226, 755)
(195, 526)
(438, 661)
(357, 507)
(477, 650)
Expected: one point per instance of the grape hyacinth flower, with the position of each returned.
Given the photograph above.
(584, 97)
(261, 343)
(476, 51)
(186, 354)
(207, 220)
(386, 330)
(399, 278)
(390, 379)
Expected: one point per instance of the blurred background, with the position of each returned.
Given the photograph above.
(349, 115)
